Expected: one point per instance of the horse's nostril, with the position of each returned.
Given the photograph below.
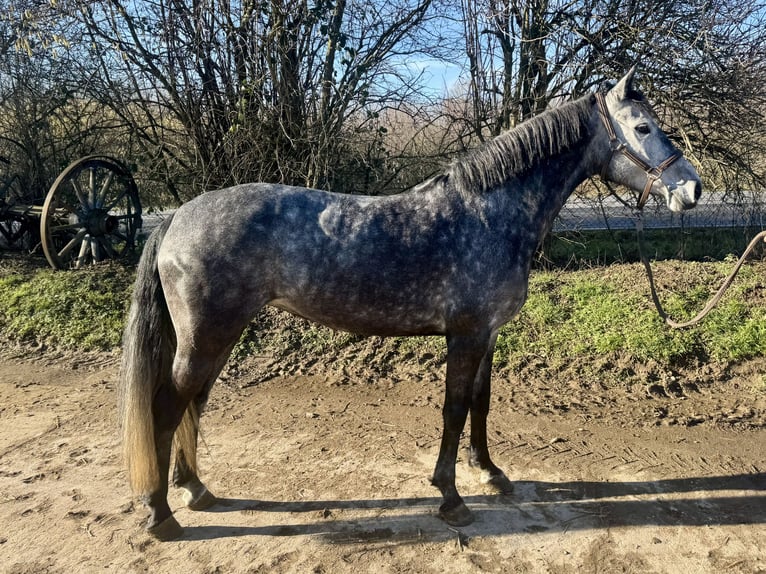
(697, 191)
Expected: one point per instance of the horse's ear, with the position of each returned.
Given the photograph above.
(624, 86)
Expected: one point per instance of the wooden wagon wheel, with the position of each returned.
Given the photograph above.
(17, 229)
(91, 213)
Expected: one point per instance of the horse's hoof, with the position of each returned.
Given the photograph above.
(458, 516)
(498, 482)
(168, 529)
(202, 501)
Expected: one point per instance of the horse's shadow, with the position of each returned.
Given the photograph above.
(534, 507)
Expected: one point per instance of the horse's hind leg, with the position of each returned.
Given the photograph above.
(479, 457)
(185, 474)
(196, 372)
(193, 374)
(167, 409)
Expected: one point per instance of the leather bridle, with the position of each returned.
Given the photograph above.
(619, 146)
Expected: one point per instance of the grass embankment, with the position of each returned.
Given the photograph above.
(607, 310)
(569, 314)
(598, 248)
(81, 310)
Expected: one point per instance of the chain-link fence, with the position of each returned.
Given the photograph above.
(598, 230)
(715, 210)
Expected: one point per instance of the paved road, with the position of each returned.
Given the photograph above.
(712, 211)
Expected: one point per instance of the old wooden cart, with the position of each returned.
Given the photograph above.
(91, 213)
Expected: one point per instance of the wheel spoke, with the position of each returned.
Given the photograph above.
(92, 186)
(80, 196)
(117, 200)
(104, 190)
(84, 247)
(94, 250)
(72, 243)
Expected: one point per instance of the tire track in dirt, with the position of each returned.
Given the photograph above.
(330, 474)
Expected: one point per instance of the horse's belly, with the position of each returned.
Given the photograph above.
(382, 320)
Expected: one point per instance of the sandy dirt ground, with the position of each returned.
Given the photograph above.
(318, 472)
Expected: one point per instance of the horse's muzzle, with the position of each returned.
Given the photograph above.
(684, 196)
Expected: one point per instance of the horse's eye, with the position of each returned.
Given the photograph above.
(643, 129)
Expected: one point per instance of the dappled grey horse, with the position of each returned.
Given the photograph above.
(449, 257)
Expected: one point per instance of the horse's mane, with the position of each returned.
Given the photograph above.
(512, 153)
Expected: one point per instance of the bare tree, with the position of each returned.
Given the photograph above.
(226, 92)
(44, 121)
(702, 60)
(206, 93)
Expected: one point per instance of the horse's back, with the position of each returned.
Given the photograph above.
(368, 265)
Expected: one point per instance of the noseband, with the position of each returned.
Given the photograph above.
(619, 146)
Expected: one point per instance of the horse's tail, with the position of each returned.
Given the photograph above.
(148, 348)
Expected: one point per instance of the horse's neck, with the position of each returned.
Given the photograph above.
(532, 202)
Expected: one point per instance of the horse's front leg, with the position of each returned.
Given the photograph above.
(490, 473)
(464, 355)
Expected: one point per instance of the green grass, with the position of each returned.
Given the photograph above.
(584, 249)
(587, 313)
(79, 310)
(568, 314)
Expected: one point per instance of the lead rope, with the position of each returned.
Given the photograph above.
(713, 301)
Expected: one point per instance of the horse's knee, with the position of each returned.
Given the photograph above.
(454, 415)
